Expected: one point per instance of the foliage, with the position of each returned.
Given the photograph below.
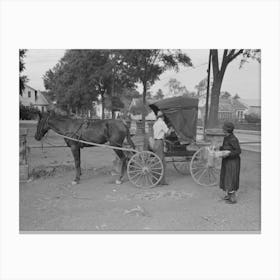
(27, 112)
(139, 108)
(236, 96)
(22, 78)
(175, 88)
(252, 118)
(82, 76)
(159, 95)
(201, 88)
(225, 94)
(148, 64)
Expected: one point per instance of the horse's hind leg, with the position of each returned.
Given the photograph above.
(122, 158)
(75, 149)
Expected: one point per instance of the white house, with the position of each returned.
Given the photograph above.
(33, 97)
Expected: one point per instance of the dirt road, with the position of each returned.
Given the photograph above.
(49, 202)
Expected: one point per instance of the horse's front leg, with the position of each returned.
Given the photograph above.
(123, 160)
(77, 158)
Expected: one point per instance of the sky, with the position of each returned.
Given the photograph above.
(245, 81)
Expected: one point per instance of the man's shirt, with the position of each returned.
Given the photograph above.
(160, 128)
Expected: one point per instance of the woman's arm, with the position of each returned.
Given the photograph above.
(234, 148)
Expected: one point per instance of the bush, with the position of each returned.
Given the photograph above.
(252, 118)
(27, 112)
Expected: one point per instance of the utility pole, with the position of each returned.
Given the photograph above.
(207, 95)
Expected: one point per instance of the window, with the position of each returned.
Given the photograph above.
(29, 94)
(240, 115)
(36, 95)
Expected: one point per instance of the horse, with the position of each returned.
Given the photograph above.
(95, 131)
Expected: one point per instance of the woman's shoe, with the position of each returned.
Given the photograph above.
(232, 198)
(226, 197)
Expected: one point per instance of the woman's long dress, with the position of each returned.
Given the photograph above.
(229, 178)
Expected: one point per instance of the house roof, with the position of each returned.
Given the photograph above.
(225, 107)
(238, 105)
(230, 104)
(226, 104)
(41, 99)
(28, 86)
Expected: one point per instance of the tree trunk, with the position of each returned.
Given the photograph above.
(214, 108)
(145, 144)
(103, 105)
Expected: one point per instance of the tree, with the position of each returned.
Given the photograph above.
(147, 65)
(219, 72)
(252, 118)
(159, 94)
(175, 88)
(22, 78)
(225, 94)
(201, 88)
(84, 76)
(236, 96)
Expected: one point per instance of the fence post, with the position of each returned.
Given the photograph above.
(23, 157)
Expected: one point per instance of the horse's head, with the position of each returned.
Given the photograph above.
(42, 125)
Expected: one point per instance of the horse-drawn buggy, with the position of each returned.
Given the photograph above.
(188, 155)
(144, 168)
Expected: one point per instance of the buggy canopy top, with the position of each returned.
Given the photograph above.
(180, 113)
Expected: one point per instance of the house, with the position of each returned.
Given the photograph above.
(229, 109)
(253, 106)
(33, 97)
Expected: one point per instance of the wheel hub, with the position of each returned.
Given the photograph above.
(145, 169)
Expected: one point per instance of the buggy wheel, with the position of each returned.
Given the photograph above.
(145, 169)
(182, 167)
(205, 169)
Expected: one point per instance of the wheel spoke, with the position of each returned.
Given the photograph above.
(134, 176)
(198, 172)
(154, 172)
(155, 164)
(135, 162)
(136, 181)
(198, 167)
(135, 171)
(155, 176)
(201, 174)
(146, 179)
(150, 179)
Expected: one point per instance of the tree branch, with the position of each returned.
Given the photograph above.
(225, 62)
(233, 56)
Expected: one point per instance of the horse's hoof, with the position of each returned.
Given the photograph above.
(118, 182)
(75, 182)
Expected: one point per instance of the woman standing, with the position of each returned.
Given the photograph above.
(229, 178)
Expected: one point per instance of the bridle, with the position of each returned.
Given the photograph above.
(43, 124)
